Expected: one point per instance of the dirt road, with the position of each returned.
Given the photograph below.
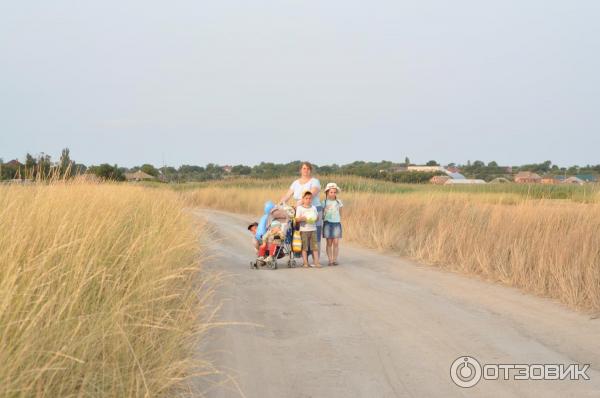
(381, 326)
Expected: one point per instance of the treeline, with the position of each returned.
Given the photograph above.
(267, 170)
(42, 165)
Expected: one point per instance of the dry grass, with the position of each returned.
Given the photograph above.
(101, 292)
(547, 247)
(588, 193)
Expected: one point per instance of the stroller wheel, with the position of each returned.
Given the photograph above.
(253, 265)
(292, 263)
(272, 264)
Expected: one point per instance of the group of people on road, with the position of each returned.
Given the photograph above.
(315, 219)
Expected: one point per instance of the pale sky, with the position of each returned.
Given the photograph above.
(228, 82)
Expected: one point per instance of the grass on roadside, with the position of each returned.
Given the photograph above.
(589, 193)
(101, 292)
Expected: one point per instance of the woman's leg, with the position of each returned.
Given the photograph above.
(319, 227)
(315, 251)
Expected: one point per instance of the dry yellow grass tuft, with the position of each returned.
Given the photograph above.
(101, 292)
(547, 247)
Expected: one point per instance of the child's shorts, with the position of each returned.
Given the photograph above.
(332, 230)
(309, 240)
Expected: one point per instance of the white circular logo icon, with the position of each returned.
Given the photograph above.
(465, 372)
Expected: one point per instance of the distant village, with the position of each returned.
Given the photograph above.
(452, 175)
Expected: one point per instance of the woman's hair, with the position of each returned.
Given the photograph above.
(307, 164)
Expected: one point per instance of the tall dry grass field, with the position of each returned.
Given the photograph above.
(547, 247)
(587, 193)
(101, 293)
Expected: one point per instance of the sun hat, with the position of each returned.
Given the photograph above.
(332, 185)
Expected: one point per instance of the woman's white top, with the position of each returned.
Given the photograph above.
(299, 189)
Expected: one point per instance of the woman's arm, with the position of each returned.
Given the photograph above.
(286, 196)
(316, 187)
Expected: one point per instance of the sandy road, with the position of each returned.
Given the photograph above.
(381, 326)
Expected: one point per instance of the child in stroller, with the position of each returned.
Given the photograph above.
(278, 238)
(270, 242)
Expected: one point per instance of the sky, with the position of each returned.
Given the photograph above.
(241, 82)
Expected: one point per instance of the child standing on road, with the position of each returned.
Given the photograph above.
(332, 217)
(307, 215)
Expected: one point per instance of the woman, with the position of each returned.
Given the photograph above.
(307, 182)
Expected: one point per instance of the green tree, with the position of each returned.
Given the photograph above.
(8, 171)
(214, 171)
(107, 172)
(241, 170)
(44, 164)
(573, 170)
(149, 169)
(30, 166)
(65, 163)
(169, 173)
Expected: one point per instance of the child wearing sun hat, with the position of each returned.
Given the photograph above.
(332, 221)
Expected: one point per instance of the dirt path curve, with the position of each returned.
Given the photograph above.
(382, 326)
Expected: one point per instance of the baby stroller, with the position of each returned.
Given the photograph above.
(285, 215)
